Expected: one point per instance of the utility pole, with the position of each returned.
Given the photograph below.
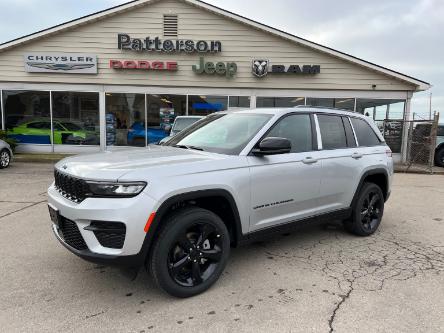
(430, 107)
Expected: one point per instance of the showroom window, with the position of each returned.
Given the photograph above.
(391, 110)
(125, 120)
(162, 110)
(22, 109)
(339, 103)
(276, 102)
(239, 102)
(380, 109)
(75, 118)
(205, 105)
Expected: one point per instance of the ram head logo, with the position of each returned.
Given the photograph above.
(260, 67)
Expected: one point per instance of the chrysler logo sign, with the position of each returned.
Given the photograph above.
(262, 67)
(70, 63)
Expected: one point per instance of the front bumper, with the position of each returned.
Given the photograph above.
(132, 212)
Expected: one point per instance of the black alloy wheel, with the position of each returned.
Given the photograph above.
(190, 252)
(371, 209)
(367, 211)
(195, 255)
(5, 158)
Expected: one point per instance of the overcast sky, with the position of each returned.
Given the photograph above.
(404, 35)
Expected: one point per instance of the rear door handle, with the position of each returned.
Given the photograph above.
(357, 156)
(309, 160)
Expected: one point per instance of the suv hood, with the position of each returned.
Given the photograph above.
(110, 166)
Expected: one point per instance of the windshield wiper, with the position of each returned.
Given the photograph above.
(188, 147)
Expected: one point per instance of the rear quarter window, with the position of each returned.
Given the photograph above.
(364, 133)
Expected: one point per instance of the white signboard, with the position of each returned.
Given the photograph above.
(67, 63)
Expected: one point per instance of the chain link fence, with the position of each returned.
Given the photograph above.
(421, 144)
(420, 136)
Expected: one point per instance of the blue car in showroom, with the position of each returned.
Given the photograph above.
(136, 134)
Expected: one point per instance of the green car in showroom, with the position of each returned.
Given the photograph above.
(65, 132)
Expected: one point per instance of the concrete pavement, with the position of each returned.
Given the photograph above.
(320, 279)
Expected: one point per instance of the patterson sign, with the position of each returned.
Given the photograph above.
(148, 44)
(68, 63)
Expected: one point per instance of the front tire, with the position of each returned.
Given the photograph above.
(5, 158)
(367, 211)
(190, 252)
(439, 158)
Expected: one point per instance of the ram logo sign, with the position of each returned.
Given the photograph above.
(67, 63)
(260, 67)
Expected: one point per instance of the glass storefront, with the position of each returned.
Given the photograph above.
(27, 116)
(75, 118)
(239, 102)
(162, 110)
(275, 102)
(125, 120)
(205, 105)
(380, 109)
(388, 115)
(340, 103)
(141, 119)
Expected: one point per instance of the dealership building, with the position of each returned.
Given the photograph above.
(120, 77)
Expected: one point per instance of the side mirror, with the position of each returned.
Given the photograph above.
(273, 146)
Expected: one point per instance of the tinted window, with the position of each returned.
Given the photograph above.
(297, 129)
(351, 142)
(441, 131)
(364, 133)
(332, 132)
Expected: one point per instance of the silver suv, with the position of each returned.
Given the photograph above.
(229, 179)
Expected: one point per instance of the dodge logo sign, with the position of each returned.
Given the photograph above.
(260, 67)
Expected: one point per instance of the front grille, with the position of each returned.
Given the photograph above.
(72, 188)
(109, 234)
(70, 233)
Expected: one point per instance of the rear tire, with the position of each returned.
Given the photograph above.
(367, 211)
(5, 158)
(439, 157)
(190, 252)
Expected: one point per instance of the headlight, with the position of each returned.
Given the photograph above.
(126, 190)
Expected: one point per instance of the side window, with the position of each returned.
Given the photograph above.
(440, 130)
(332, 132)
(297, 129)
(351, 142)
(364, 133)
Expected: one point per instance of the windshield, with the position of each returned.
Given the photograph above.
(221, 133)
(182, 123)
(71, 126)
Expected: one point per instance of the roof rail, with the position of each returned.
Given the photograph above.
(324, 107)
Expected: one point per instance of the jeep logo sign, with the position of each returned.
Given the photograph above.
(229, 69)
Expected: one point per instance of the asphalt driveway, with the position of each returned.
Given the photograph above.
(320, 279)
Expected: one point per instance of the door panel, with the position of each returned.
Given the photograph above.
(283, 188)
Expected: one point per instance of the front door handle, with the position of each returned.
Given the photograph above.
(309, 160)
(357, 156)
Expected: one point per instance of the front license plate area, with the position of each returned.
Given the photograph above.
(55, 215)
